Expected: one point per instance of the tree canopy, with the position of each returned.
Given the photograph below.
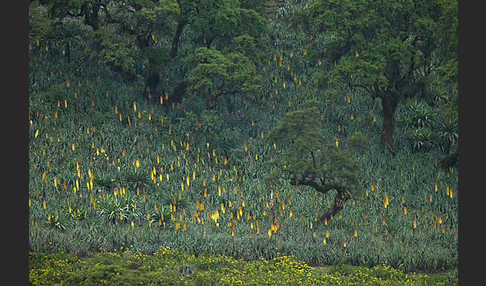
(306, 158)
(386, 48)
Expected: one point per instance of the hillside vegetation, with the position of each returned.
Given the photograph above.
(149, 135)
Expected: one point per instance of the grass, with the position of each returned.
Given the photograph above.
(171, 267)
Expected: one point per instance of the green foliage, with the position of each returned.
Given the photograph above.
(247, 46)
(115, 51)
(216, 75)
(358, 142)
(430, 128)
(170, 267)
(419, 115)
(303, 154)
(216, 21)
(120, 207)
(375, 48)
(39, 25)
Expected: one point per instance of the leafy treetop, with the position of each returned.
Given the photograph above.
(305, 159)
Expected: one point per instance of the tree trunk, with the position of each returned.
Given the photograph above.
(389, 106)
(91, 15)
(177, 37)
(450, 160)
(151, 83)
(341, 197)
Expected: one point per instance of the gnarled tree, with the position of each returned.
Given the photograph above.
(305, 159)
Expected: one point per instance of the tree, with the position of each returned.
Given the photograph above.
(303, 157)
(139, 38)
(123, 33)
(387, 48)
(216, 75)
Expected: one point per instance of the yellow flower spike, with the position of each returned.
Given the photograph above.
(324, 241)
(137, 163)
(44, 204)
(134, 106)
(355, 233)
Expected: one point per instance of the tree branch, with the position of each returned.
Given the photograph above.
(339, 200)
(324, 188)
(313, 160)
